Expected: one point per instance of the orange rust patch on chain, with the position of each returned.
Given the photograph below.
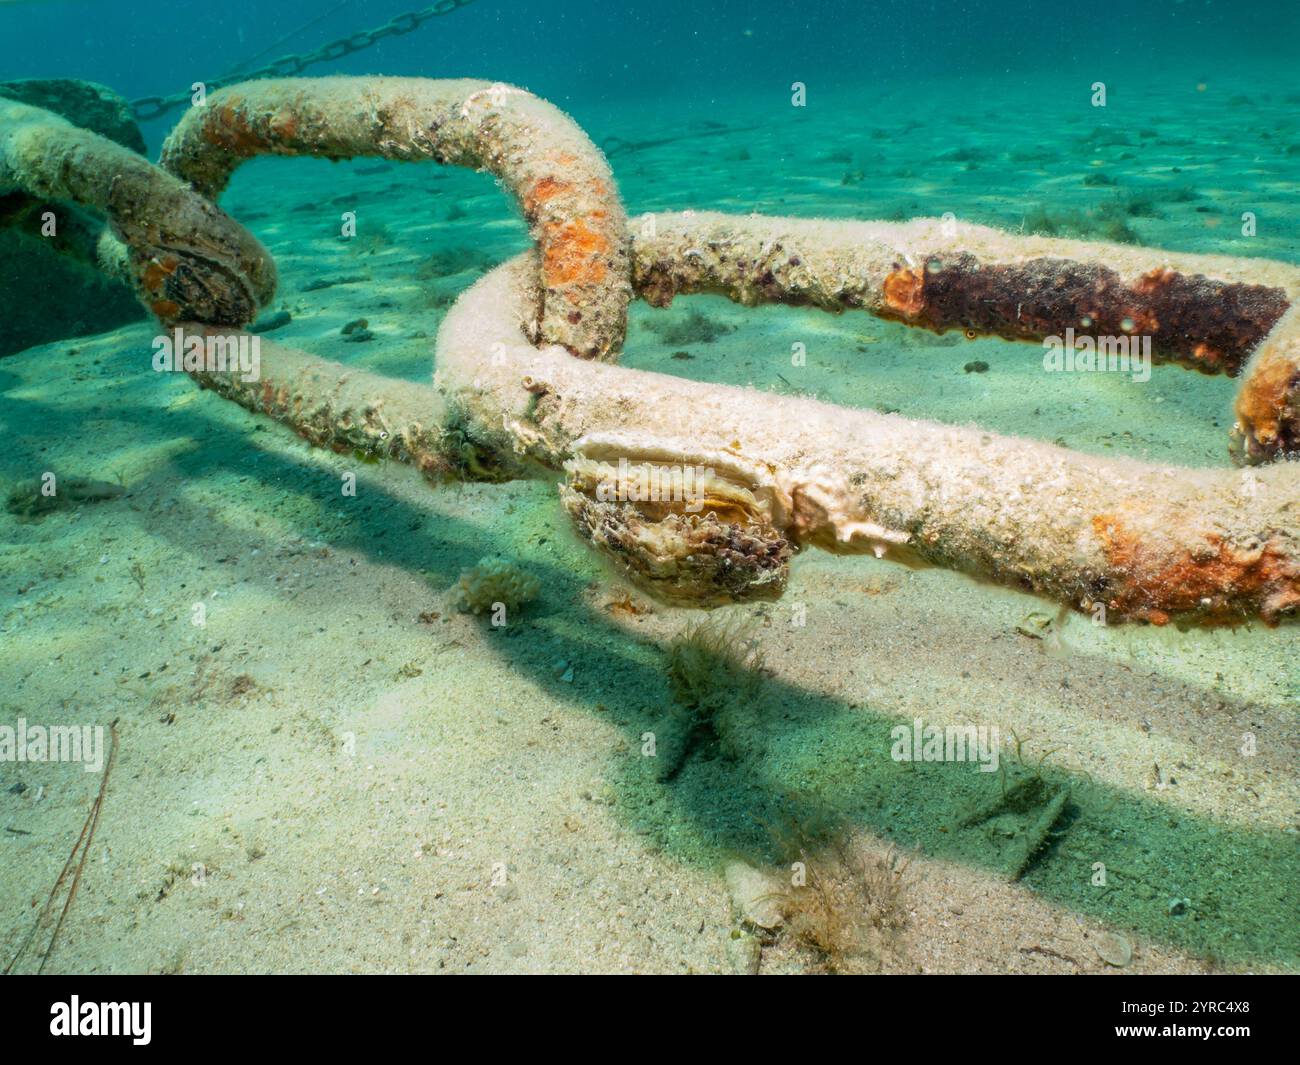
(284, 125)
(274, 401)
(1219, 582)
(541, 191)
(1210, 357)
(905, 292)
(231, 130)
(1154, 280)
(573, 254)
(1264, 399)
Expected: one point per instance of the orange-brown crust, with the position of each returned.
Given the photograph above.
(157, 271)
(905, 292)
(1217, 582)
(574, 254)
(536, 194)
(229, 129)
(1266, 396)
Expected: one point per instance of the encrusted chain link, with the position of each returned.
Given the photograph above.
(1113, 538)
(151, 107)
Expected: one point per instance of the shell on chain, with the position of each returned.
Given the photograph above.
(683, 531)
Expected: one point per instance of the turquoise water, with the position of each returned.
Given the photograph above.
(339, 768)
(581, 54)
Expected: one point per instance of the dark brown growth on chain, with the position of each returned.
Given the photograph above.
(1205, 324)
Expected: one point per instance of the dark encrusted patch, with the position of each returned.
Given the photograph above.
(1209, 325)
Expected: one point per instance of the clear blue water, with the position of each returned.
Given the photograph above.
(581, 51)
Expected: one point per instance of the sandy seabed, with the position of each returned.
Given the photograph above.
(339, 771)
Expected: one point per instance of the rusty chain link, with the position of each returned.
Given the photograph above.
(1121, 536)
(150, 107)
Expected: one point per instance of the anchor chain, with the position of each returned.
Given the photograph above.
(148, 108)
(779, 474)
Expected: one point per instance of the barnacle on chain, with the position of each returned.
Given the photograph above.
(683, 532)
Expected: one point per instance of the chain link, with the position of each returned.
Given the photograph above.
(151, 107)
